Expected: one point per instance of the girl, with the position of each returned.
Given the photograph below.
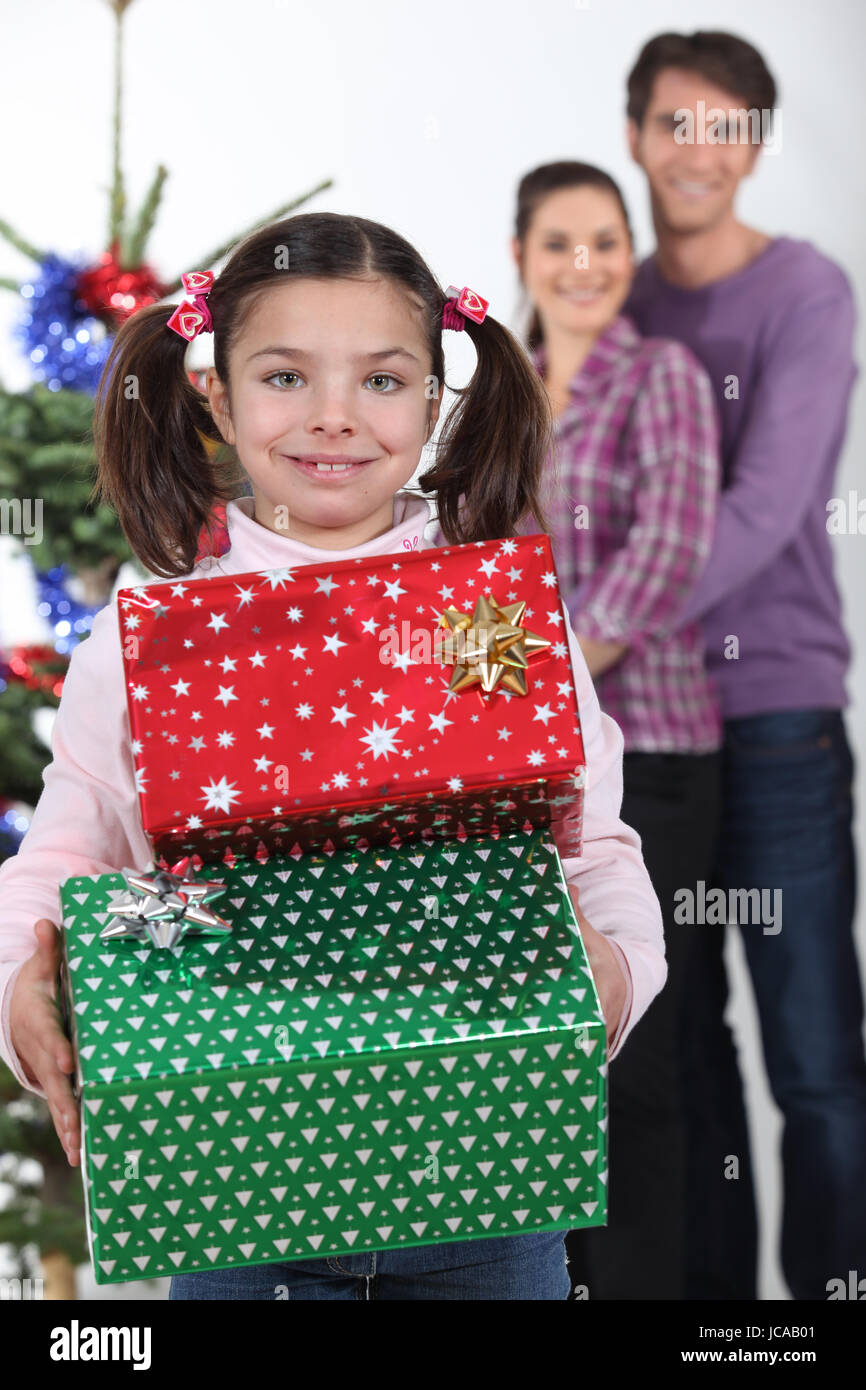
(638, 478)
(327, 382)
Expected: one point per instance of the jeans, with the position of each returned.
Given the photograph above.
(526, 1267)
(672, 801)
(786, 825)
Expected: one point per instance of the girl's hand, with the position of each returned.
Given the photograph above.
(39, 1040)
(606, 970)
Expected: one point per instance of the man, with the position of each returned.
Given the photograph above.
(772, 320)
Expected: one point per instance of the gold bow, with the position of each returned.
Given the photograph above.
(489, 646)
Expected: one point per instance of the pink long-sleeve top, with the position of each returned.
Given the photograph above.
(88, 820)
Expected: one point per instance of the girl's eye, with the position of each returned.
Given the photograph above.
(378, 377)
(286, 373)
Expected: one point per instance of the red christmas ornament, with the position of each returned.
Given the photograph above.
(31, 665)
(112, 293)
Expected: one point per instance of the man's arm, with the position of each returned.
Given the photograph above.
(797, 413)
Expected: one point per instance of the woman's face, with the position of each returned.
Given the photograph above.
(334, 371)
(576, 260)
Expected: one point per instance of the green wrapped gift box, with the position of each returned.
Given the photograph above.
(392, 1047)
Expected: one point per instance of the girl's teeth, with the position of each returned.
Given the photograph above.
(333, 467)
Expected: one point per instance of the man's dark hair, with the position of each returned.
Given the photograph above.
(723, 59)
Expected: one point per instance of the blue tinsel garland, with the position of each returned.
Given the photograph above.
(67, 347)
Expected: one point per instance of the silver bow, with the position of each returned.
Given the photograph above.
(165, 906)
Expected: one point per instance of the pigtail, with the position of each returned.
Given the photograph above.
(150, 427)
(493, 448)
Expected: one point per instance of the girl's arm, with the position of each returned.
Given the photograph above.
(87, 819)
(609, 878)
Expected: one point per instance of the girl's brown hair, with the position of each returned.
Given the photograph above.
(151, 423)
(537, 185)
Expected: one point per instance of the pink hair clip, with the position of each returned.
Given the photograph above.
(463, 304)
(188, 320)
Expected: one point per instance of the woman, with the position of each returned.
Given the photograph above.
(633, 494)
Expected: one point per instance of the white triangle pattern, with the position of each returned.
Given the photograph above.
(426, 1085)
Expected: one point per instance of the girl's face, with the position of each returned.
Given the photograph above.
(576, 260)
(328, 372)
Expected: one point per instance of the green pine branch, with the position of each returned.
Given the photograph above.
(47, 453)
(133, 242)
(8, 233)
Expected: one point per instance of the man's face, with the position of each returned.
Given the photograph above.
(693, 182)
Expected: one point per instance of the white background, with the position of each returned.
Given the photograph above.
(425, 116)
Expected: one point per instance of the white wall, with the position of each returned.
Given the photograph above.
(426, 116)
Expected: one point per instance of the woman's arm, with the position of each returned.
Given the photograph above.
(640, 590)
(600, 656)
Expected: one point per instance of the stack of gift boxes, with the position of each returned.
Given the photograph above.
(347, 1006)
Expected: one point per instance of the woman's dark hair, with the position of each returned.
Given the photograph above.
(153, 464)
(535, 186)
(721, 58)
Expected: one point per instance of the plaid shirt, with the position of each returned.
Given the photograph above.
(632, 513)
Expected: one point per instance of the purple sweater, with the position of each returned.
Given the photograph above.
(783, 328)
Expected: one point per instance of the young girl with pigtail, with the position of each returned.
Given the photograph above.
(327, 383)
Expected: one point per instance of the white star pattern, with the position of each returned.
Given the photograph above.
(194, 635)
(218, 796)
(277, 577)
(438, 722)
(380, 740)
(402, 661)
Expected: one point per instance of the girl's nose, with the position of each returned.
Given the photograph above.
(332, 413)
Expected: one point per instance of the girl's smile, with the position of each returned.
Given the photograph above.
(329, 466)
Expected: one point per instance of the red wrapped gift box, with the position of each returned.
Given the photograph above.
(309, 708)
